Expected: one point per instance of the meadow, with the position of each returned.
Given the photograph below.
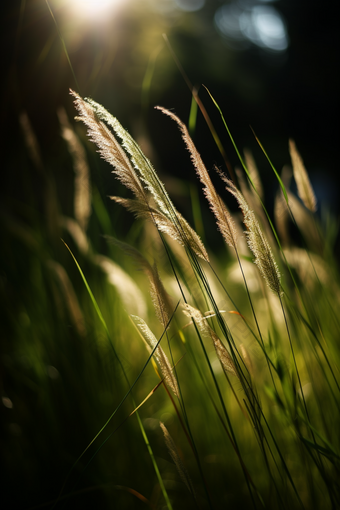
(141, 367)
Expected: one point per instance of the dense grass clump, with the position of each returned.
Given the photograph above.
(158, 375)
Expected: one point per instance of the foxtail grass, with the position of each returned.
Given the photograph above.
(251, 381)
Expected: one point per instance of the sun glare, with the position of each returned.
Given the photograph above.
(96, 8)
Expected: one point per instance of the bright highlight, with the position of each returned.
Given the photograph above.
(96, 8)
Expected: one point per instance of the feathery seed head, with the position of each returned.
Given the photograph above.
(304, 187)
(204, 328)
(225, 222)
(82, 184)
(138, 179)
(254, 173)
(160, 298)
(159, 355)
(176, 458)
(258, 244)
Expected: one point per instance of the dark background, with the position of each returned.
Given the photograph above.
(280, 94)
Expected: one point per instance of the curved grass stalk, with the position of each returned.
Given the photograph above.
(224, 220)
(162, 305)
(178, 461)
(62, 40)
(150, 181)
(149, 178)
(220, 147)
(247, 388)
(102, 320)
(139, 179)
(319, 464)
(305, 190)
(205, 287)
(202, 108)
(265, 210)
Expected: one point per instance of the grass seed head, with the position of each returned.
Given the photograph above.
(304, 187)
(176, 458)
(224, 220)
(258, 244)
(159, 355)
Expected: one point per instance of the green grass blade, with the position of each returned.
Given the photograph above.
(273, 167)
(102, 320)
(147, 80)
(64, 45)
(192, 116)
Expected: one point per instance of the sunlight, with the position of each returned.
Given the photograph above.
(96, 8)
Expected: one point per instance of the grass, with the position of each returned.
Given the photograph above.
(158, 374)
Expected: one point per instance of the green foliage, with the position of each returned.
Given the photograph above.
(242, 382)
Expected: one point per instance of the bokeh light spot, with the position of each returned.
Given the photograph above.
(242, 22)
(270, 28)
(227, 20)
(7, 402)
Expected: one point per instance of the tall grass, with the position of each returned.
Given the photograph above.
(161, 375)
(295, 393)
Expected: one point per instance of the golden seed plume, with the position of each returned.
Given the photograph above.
(223, 355)
(254, 173)
(305, 221)
(281, 213)
(109, 148)
(206, 331)
(253, 201)
(176, 458)
(138, 179)
(258, 244)
(304, 187)
(82, 184)
(248, 194)
(69, 296)
(184, 235)
(247, 358)
(198, 317)
(160, 298)
(281, 218)
(224, 220)
(159, 355)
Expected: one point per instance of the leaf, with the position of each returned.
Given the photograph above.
(332, 456)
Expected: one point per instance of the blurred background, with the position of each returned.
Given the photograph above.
(269, 64)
